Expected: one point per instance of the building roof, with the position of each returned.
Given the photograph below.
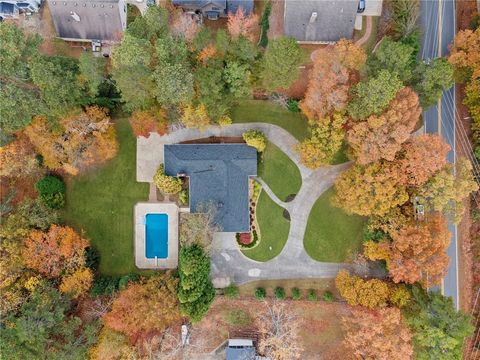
(218, 173)
(335, 19)
(87, 19)
(7, 8)
(200, 3)
(233, 5)
(241, 353)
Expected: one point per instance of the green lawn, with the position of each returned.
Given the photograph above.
(279, 172)
(273, 228)
(269, 112)
(331, 234)
(101, 203)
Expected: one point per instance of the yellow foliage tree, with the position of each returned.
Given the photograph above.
(77, 283)
(167, 184)
(256, 139)
(195, 117)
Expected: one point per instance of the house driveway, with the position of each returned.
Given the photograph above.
(229, 265)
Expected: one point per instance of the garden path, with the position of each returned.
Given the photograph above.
(228, 262)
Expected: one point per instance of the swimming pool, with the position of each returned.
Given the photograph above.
(156, 236)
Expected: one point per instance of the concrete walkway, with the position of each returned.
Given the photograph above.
(228, 262)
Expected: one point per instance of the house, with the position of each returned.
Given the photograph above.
(213, 9)
(218, 174)
(89, 20)
(317, 22)
(10, 9)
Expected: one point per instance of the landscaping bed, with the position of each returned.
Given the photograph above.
(331, 234)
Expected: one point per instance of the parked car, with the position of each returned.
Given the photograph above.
(361, 6)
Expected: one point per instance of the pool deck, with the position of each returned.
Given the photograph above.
(142, 209)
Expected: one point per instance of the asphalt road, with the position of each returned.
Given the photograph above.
(438, 24)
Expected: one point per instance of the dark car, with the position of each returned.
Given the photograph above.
(361, 6)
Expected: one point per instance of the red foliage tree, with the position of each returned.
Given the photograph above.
(241, 24)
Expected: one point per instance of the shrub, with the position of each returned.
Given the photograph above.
(328, 296)
(255, 139)
(279, 293)
(167, 184)
(231, 291)
(296, 294)
(225, 121)
(312, 295)
(260, 293)
(247, 240)
(183, 197)
(52, 191)
(127, 279)
(292, 105)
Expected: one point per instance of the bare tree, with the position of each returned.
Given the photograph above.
(100, 307)
(199, 227)
(279, 332)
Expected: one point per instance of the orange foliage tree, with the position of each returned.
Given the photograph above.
(58, 251)
(17, 159)
(77, 283)
(381, 136)
(144, 307)
(84, 140)
(465, 55)
(418, 252)
(378, 334)
(333, 72)
(145, 122)
(368, 190)
(420, 158)
(241, 24)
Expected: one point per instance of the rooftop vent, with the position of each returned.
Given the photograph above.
(313, 17)
(75, 16)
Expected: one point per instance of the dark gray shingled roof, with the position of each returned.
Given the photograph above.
(219, 174)
(335, 19)
(99, 19)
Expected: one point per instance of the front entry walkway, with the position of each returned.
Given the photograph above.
(228, 262)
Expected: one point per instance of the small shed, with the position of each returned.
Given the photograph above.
(240, 349)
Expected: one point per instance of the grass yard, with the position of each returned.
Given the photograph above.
(269, 112)
(101, 203)
(331, 234)
(279, 172)
(273, 228)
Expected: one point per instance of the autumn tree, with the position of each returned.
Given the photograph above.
(439, 330)
(256, 139)
(378, 334)
(373, 95)
(418, 252)
(279, 331)
(242, 24)
(167, 184)
(420, 158)
(325, 141)
(280, 64)
(199, 227)
(85, 139)
(151, 305)
(77, 283)
(195, 117)
(144, 122)
(465, 55)
(373, 293)
(112, 345)
(57, 251)
(447, 189)
(18, 159)
(381, 136)
(369, 190)
(333, 73)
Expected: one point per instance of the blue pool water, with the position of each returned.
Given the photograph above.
(156, 236)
